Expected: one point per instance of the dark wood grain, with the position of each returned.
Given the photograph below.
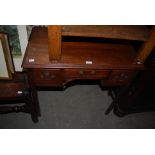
(129, 32)
(75, 54)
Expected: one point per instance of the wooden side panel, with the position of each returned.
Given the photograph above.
(146, 48)
(54, 42)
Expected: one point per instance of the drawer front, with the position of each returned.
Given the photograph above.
(47, 77)
(85, 73)
(13, 90)
(120, 77)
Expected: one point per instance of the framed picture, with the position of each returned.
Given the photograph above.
(12, 31)
(6, 63)
(18, 40)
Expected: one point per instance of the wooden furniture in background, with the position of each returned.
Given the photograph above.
(16, 96)
(6, 63)
(146, 48)
(136, 33)
(139, 95)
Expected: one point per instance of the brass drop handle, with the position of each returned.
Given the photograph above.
(123, 77)
(41, 76)
(52, 76)
(46, 73)
(81, 72)
(126, 77)
(93, 72)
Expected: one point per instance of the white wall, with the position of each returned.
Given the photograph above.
(23, 43)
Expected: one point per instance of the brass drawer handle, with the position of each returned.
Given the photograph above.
(81, 72)
(49, 77)
(52, 76)
(41, 76)
(122, 75)
(93, 72)
(126, 77)
(46, 73)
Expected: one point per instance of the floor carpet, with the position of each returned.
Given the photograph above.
(78, 107)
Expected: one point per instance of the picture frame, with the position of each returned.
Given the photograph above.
(6, 62)
(18, 39)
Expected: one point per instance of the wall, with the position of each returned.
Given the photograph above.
(23, 42)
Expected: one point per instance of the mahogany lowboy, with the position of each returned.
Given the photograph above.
(110, 63)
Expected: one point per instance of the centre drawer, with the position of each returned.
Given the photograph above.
(85, 73)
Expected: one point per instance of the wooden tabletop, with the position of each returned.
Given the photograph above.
(77, 54)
